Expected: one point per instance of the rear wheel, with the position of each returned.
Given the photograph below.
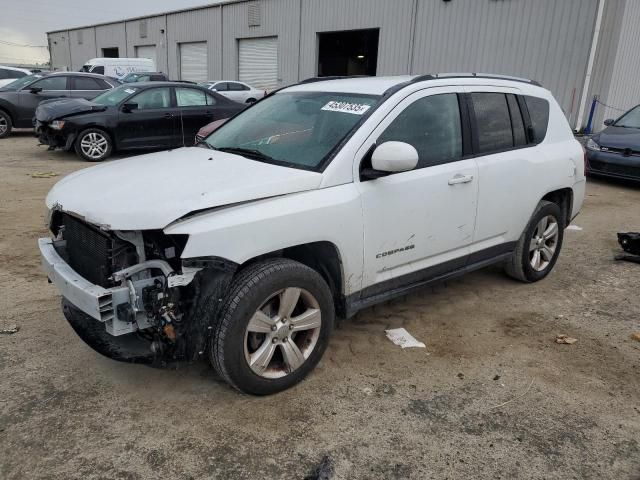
(94, 145)
(538, 248)
(274, 327)
(5, 124)
(251, 100)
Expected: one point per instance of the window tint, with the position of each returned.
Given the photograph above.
(432, 125)
(517, 124)
(153, 98)
(87, 83)
(236, 87)
(4, 74)
(99, 70)
(190, 97)
(539, 114)
(55, 82)
(221, 87)
(493, 121)
(16, 74)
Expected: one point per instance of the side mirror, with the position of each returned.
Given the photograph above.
(35, 89)
(394, 157)
(609, 121)
(129, 107)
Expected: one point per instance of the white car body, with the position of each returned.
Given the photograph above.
(11, 74)
(119, 67)
(236, 91)
(385, 232)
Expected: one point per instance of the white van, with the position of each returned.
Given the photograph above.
(119, 67)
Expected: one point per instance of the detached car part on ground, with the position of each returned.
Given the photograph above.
(148, 115)
(322, 199)
(19, 99)
(615, 152)
(630, 243)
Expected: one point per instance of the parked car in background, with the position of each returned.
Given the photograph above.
(615, 151)
(19, 99)
(151, 115)
(208, 129)
(119, 67)
(324, 198)
(236, 91)
(145, 77)
(11, 74)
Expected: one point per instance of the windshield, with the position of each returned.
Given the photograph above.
(297, 129)
(631, 119)
(115, 96)
(21, 82)
(86, 68)
(133, 77)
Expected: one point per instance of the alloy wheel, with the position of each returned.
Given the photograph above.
(94, 145)
(3, 125)
(282, 333)
(543, 244)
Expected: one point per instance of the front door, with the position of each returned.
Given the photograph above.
(419, 224)
(53, 86)
(152, 124)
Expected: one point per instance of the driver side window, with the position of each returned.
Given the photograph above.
(56, 82)
(432, 125)
(153, 98)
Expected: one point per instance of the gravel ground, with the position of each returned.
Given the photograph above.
(492, 395)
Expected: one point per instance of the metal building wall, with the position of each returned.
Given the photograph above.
(202, 25)
(83, 46)
(547, 40)
(394, 18)
(624, 87)
(59, 50)
(278, 18)
(156, 35)
(111, 35)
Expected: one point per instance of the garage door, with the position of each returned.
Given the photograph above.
(193, 62)
(147, 51)
(258, 62)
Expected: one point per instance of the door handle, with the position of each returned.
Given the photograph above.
(168, 115)
(460, 179)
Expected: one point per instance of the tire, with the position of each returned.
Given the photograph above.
(94, 145)
(524, 265)
(5, 124)
(250, 100)
(257, 299)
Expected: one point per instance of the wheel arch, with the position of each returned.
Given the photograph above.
(5, 108)
(564, 199)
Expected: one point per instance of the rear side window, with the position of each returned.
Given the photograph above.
(539, 114)
(493, 122)
(517, 124)
(432, 125)
(190, 97)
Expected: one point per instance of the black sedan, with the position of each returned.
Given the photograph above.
(19, 99)
(149, 115)
(615, 152)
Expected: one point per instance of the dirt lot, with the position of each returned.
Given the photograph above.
(492, 395)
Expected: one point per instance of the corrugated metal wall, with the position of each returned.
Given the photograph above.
(59, 50)
(203, 25)
(276, 18)
(156, 28)
(624, 87)
(547, 40)
(83, 46)
(393, 18)
(109, 36)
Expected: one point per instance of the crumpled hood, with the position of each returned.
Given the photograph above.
(619, 137)
(151, 191)
(55, 108)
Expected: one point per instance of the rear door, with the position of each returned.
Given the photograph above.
(198, 108)
(152, 124)
(87, 87)
(53, 86)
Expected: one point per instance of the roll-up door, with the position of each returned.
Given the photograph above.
(258, 62)
(147, 51)
(193, 61)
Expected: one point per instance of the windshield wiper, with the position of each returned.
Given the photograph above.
(202, 143)
(247, 152)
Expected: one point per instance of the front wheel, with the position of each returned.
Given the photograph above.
(538, 248)
(250, 100)
(94, 145)
(274, 327)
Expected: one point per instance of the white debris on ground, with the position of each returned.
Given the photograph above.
(404, 339)
(575, 228)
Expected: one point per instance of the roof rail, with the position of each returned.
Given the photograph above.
(326, 79)
(496, 76)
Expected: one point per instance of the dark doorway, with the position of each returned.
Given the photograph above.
(348, 53)
(111, 52)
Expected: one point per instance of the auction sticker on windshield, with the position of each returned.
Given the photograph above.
(346, 107)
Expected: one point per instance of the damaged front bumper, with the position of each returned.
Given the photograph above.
(54, 138)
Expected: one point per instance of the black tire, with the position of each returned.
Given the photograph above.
(519, 266)
(248, 292)
(6, 124)
(250, 100)
(86, 135)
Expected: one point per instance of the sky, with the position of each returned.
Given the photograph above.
(25, 22)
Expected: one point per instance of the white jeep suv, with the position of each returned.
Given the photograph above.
(319, 200)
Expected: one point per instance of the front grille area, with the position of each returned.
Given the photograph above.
(614, 169)
(89, 250)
